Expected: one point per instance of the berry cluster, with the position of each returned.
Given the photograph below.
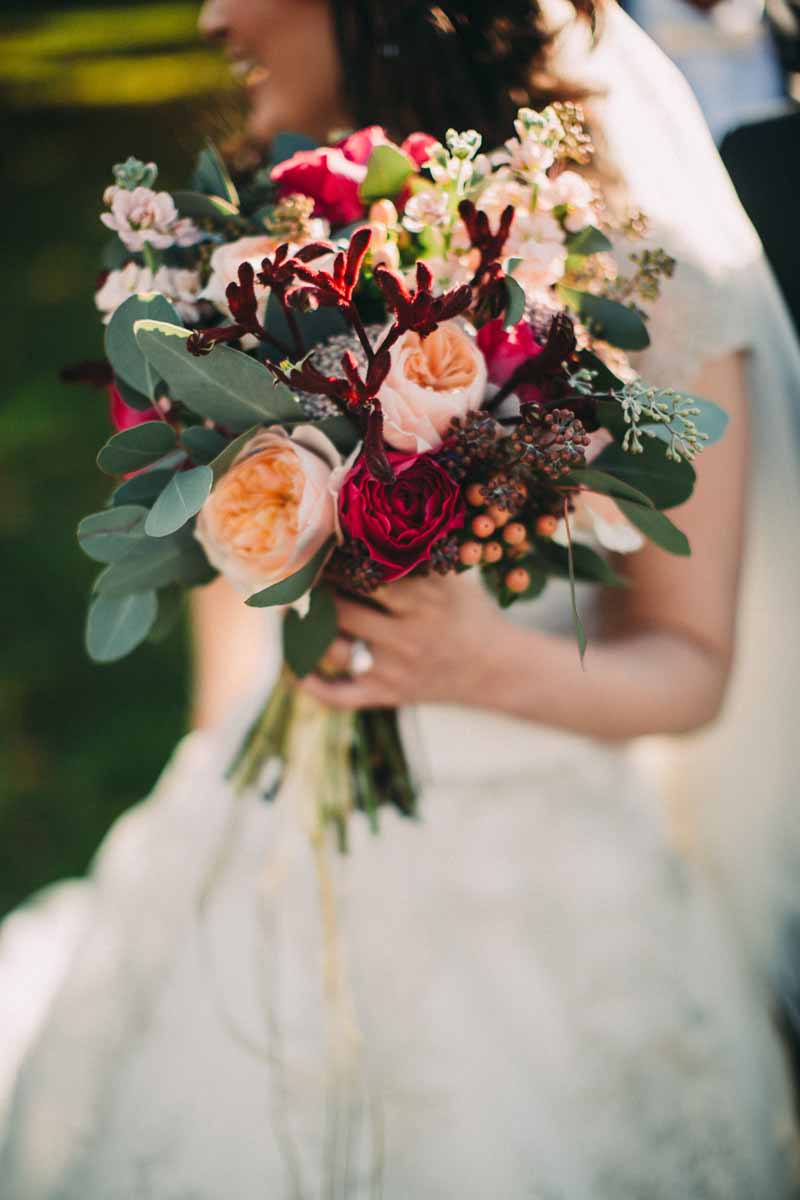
(549, 443)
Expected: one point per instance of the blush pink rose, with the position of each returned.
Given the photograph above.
(507, 349)
(358, 146)
(431, 380)
(273, 508)
(418, 147)
(400, 522)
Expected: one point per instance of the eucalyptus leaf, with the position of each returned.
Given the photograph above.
(170, 611)
(132, 449)
(157, 563)
(665, 482)
(285, 144)
(613, 322)
(656, 526)
(220, 464)
(142, 488)
(305, 639)
(203, 444)
(181, 499)
(607, 485)
(224, 385)
(387, 170)
(342, 432)
(587, 565)
(515, 308)
(580, 632)
(109, 536)
(118, 624)
(205, 207)
(115, 254)
(131, 397)
(211, 176)
(315, 326)
(291, 589)
(588, 241)
(122, 350)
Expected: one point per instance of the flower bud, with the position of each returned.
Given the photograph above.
(492, 552)
(384, 212)
(476, 495)
(500, 516)
(514, 533)
(546, 526)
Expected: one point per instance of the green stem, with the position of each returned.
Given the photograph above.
(152, 259)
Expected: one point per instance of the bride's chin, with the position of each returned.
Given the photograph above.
(263, 117)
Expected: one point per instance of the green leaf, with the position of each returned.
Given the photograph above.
(285, 144)
(225, 385)
(132, 449)
(130, 395)
(220, 464)
(142, 489)
(156, 563)
(607, 485)
(181, 499)
(608, 320)
(580, 632)
(115, 254)
(117, 624)
(122, 350)
(203, 444)
(588, 241)
(206, 207)
(305, 639)
(341, 431)
(109, 536)
(587, 565)
(666, 483)
(291, 589)
(387, 170)
(515, 308)
(656, 526)
(211, 176)
(315, 327)
(170, 611)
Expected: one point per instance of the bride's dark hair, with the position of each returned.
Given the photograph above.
(469, 64)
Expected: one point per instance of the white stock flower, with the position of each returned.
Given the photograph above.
(142, 216)
(181, 288)
(425, 210)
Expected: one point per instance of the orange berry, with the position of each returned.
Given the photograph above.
(514, 533)
(384, 212)
(546, 525)
(492, 552)
(518, 580)
(483, 526)
(476, 495)
(500, 516)
(470, 554)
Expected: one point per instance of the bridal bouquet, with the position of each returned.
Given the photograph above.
(366, 361)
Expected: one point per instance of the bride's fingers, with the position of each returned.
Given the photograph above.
(361, 622)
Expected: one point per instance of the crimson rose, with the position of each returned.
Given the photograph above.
(507, 349)
(399, 522)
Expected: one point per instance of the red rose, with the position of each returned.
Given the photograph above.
(125, 416)
(418, 147)
(359, 145)
(329, 177)
(399, 522)
(507, 349)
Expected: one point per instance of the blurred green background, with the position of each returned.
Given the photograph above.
(83, 86)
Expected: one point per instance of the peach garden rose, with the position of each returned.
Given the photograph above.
(273, 509)
(431, 380)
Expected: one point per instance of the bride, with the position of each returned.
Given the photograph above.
(556, 983)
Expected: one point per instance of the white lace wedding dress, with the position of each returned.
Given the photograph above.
(527, 994)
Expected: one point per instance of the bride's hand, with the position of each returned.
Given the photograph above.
(432, 644)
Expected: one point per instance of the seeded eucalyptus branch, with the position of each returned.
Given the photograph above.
(642, 406)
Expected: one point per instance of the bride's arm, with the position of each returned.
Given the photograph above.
(663, 664)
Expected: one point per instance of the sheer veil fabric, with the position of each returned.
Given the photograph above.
(533, 994)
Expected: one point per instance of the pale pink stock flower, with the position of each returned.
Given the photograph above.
(431, 380)
(576, 194)
(142, 216)
(427, 209)
(273, 508)
(543, 265)
(181, 288)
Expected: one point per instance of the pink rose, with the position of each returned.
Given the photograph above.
(225, 263)
(272, 509)
(358, 146)
(329, 177)
(125, 416)
(507, 349)
(400, 522)
(418, 147)
(431, 380)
